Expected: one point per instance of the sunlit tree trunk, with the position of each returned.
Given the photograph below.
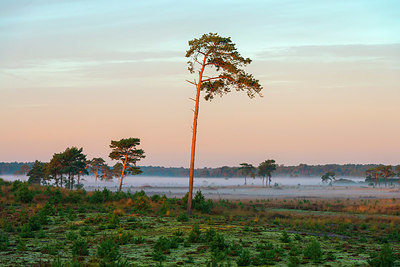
(123, 171)
(196, 113)
(97, 171)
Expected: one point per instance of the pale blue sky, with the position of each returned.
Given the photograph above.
(85, 72)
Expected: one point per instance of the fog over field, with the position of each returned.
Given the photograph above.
(234, 188)
(156, 181)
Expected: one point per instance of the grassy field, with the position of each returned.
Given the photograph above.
(46, 226)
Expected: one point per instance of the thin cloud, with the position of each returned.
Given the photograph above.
(353, 52)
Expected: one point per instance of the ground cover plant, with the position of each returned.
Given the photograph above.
(48, 226)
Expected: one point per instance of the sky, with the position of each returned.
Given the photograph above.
(83, 73)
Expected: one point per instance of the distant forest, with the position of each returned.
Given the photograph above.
(355, 170)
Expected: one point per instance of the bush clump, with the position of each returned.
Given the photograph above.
(195, 234)
(182, 217)
(108, 251)
(285, 237)
(141, 202)
(4, 242)
(101, 196)
(80, 248)
(200, 204)
(385, 257)
(313, 251)
(26, 231)
(244, 258)
(23, 193)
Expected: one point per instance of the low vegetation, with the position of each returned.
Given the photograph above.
(48, 226)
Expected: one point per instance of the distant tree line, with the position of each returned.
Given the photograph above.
(349, 170)
(302, 170)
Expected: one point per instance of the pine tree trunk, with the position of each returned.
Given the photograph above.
(123, 170)
(97, 171)
(196, 114)
(122, 176)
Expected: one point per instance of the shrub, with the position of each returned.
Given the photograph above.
(2, 182)
(71, 214)
(158, 255)
(8, 227)
(113, 220)
(294, 250)
(108, 250)
(23, 193)
(313, 251)
(298, 237)
(264, 257)
(138, 240)
(217, 256)
(178, 233)
(285, 237)
(120, 195)
(3, 241)
(265, 246)
(21, 246)
(189, 259)
(162, 244)
(41, 234)
(294, 261)
(209, 234)
(165, 207)
(82, 232)
(141, 202)
(200, 204)
(195, 234)
(235, 249)
(182, 217)
(385, 257)
(39, 219)
(55, 197)
(184, 200)
(34, 223)
(101, 196)
(48, 209)
(50, 249)
(174, 241)
(15, 185)
(75, 196)
(124, 237)
(26, 231)
(155, 198)
(218, 243)
(80, 248)
(244, 258)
